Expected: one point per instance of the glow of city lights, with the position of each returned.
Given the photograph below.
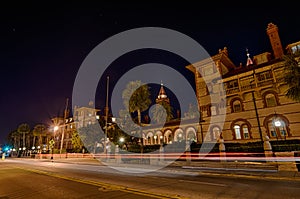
(55, 128)
(122, 139)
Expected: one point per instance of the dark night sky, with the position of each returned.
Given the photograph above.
(43, 45)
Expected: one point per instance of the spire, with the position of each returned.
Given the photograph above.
(249, 60)
(162, 96)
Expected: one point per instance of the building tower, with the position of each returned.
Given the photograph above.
(249, 60)
(162, 96)
(272, 31)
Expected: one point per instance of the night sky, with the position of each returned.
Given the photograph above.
(44, 44)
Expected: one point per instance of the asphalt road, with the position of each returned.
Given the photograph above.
(45, 179)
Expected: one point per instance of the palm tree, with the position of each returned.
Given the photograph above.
(136, 98)
(39, 131)
(23, 129)
(13, 138)
(292, 76)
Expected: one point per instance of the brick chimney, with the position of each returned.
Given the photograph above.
(272, 31)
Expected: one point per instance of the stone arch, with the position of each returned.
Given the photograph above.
(149, 138)
(191, 134)
(273, 116)
(179, 135)
(159, 139)
(270, 92)
(168, 136)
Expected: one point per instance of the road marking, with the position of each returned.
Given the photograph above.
(106, 186)
(204, 183)
(245, 176)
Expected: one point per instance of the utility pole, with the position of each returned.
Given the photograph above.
(64, 126)
(106, 116)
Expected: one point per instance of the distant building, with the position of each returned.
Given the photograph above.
(82, 117)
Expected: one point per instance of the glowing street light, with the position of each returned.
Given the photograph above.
(55, 128)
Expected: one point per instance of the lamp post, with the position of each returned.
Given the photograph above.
(64, 126)
(257, 117)
(52, 142)
(255, 106)
(106, 117)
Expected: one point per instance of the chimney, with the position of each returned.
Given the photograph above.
(272, 31)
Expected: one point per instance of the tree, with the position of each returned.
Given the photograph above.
(76, 141)
(162, 112)
(39, 131)
(136, 98)
(292, 76)
(13, 138)
(23, 129)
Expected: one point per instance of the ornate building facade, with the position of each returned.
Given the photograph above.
(242, 103)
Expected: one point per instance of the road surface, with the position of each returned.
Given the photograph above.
(46, 179)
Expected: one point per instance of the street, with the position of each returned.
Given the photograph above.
(29, 178)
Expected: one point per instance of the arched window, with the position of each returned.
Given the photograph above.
(277, 126)
(270, 100)
(215, 133)
(245, 131)
(236, 105)
(237, 131)
(241, 129)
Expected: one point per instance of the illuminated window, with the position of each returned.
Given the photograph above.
(237, 131)
(277, 128)
(241, 130)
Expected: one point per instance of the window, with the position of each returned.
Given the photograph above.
(232, 84)
(264, 76)
(216, 133)
(270, 100)
(241, 130)
(236, 106)
(277, 127)
(213, 110)
(237, 132)
(208, 70)
(246, 132)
